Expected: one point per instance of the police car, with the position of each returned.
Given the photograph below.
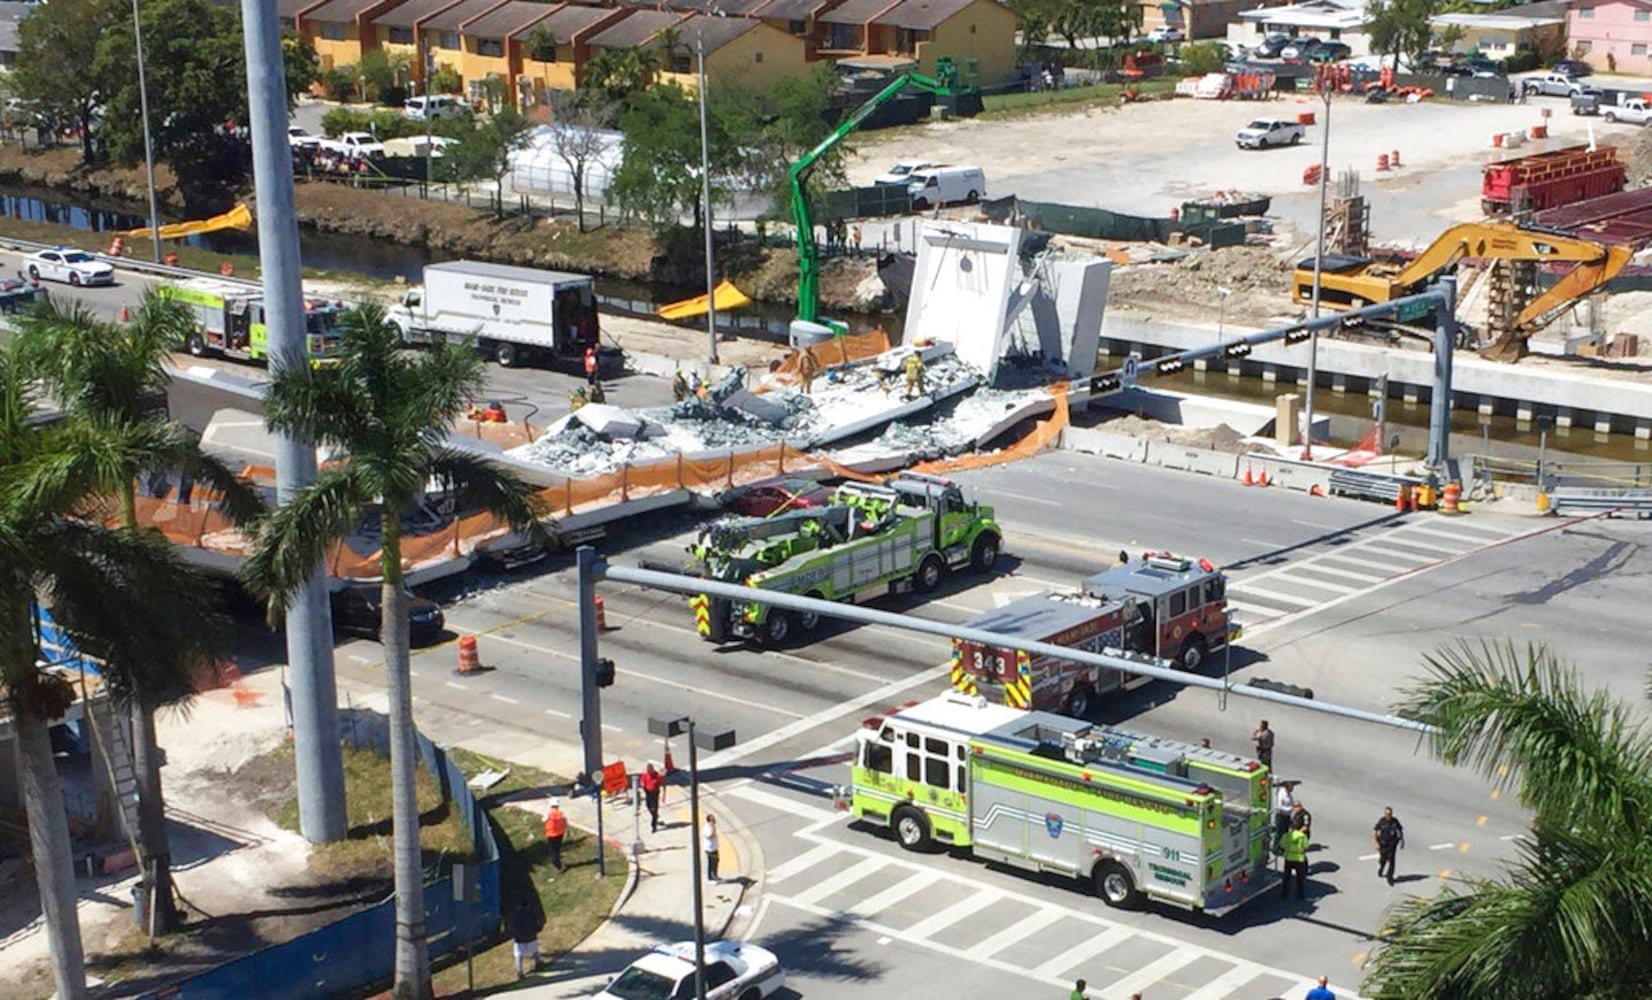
(77, 267)
(734, 971)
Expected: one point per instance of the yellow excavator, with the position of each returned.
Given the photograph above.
(1351, 282)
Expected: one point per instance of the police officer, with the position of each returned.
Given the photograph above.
(1388, 836)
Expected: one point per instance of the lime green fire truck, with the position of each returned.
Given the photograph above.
(229, 320)
(1136, 817)
(867, 541)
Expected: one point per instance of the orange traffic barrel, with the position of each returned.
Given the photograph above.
(226, 269)
(602, 615)
(470, 661)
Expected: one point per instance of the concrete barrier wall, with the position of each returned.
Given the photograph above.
(1096, 442)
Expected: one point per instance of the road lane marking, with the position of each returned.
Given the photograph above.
(790, 867)
(507, 699)
(1045, 501)
(969, 905)
(455, 684)
(1274, 595)
(1369, 857)
(1017, 931)
(612, 729)
(781, 803)
(840, 880)
(1441, 847)
(1333, 571)
(1151, 973)
(1226, 984)
(1087, 948)
(560, 715)
(881, 695)
(872, 905)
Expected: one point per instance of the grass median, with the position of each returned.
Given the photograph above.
(574, 901)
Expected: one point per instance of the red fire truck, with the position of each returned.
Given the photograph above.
(1163, 606)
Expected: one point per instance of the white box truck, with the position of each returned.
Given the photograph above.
(515, 314)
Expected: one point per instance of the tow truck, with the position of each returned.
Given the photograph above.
(1163, 606)
(1352, 282)
(864, 542)
(1136, 817)
(230, 321)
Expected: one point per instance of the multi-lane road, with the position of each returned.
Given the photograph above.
(1342, 597)
(1339, 596)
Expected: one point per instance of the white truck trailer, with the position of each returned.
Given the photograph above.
(514, 315)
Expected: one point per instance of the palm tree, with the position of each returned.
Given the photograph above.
(1572, 916)
(389, 411)
(108, 589)
(114, 376)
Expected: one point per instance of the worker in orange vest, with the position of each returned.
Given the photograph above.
(556, 827)
(591, 365)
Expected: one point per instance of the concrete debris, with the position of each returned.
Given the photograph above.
(1219, 438)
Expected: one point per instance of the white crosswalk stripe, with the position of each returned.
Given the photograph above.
(841, 869)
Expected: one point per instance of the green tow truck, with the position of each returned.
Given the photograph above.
(868, 541)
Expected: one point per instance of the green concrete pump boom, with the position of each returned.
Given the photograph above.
(808, 254)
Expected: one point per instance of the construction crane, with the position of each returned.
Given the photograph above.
(1351, 282)
(808, 254)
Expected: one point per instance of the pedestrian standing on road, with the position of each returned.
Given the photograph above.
(591, 365)
(1389, 836)
(709, 837)
(1302, 819)
(1295, 850)
(652, 781)
(1282, 807)
(1322, 991)
(1263, 738)
(1078, 991)
(524, 937)
(556, 828)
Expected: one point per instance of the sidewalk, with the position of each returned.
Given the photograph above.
(657, 905)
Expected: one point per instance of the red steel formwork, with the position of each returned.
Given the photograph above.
(1547, 180)
(1623, 218)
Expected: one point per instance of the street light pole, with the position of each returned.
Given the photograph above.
(694, 849)
(148, 146)
(1325, 91)
(1542, 444)
(429, 150)
(1221, 312)
(705, 214)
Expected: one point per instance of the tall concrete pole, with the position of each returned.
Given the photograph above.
(148, 146)
(1439, 408)
(1325, 91)
(705, 198)
(321, 814)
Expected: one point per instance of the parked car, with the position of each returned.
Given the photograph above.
(1271, 46)
(1572, 67)
(733, 971)
(355, 145)
(901, 172)
(1265, 132)
(511, 552)
(1164, 33)
(777, 496)
(1332, 52)
(358, 611)
(1554, 85)
(1482, 66)
(299, 138)
(432, 106)
(1300, 49)
(77, 267)
(946, 185)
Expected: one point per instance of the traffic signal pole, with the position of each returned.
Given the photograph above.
(589, 566)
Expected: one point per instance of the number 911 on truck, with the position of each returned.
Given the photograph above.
(1132, 815)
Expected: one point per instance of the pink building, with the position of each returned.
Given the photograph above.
(1612, 35)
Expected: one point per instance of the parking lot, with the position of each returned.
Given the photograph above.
(1148, 158)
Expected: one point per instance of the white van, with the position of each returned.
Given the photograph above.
(431, 107)
(945, 185)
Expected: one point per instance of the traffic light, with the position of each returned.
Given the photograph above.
(605, 672)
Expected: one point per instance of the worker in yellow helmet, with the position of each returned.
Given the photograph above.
(914, 368)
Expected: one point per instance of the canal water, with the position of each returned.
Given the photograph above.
(387, 261)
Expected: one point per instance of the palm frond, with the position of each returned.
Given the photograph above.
(321, 406)
(289, 545)
(242, 501)
(477, 482)
(131, 601)
(89, 456)
(438, 388)
(1520, 718)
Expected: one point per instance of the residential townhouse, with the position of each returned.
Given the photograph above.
(894, 34)
(397, 30)
(1195, 19)
(488, 47)
(562, 65)
(341, 30)
(742, 49)
(443, 41)
(10, 15)
(1612, 35)
(1540, 27)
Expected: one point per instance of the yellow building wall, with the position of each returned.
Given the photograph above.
(560, 75)
(983, 31)
(783, 55)
(440, 57)
(343, 52)
(472, 65)
(405, 51)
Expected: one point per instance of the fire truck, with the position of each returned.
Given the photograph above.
(1135, 817)
(230, 321)
(1118, 611)
(867, 541)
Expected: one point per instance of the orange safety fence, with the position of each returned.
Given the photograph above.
(837, 351)
(200, 523)
(1043, 434)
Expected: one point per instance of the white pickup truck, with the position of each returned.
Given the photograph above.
(1265, 132)
(1635, 111)
(355, 145)
(1554, 85)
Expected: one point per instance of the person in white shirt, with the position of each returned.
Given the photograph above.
(709, 837)
(1282, 806)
